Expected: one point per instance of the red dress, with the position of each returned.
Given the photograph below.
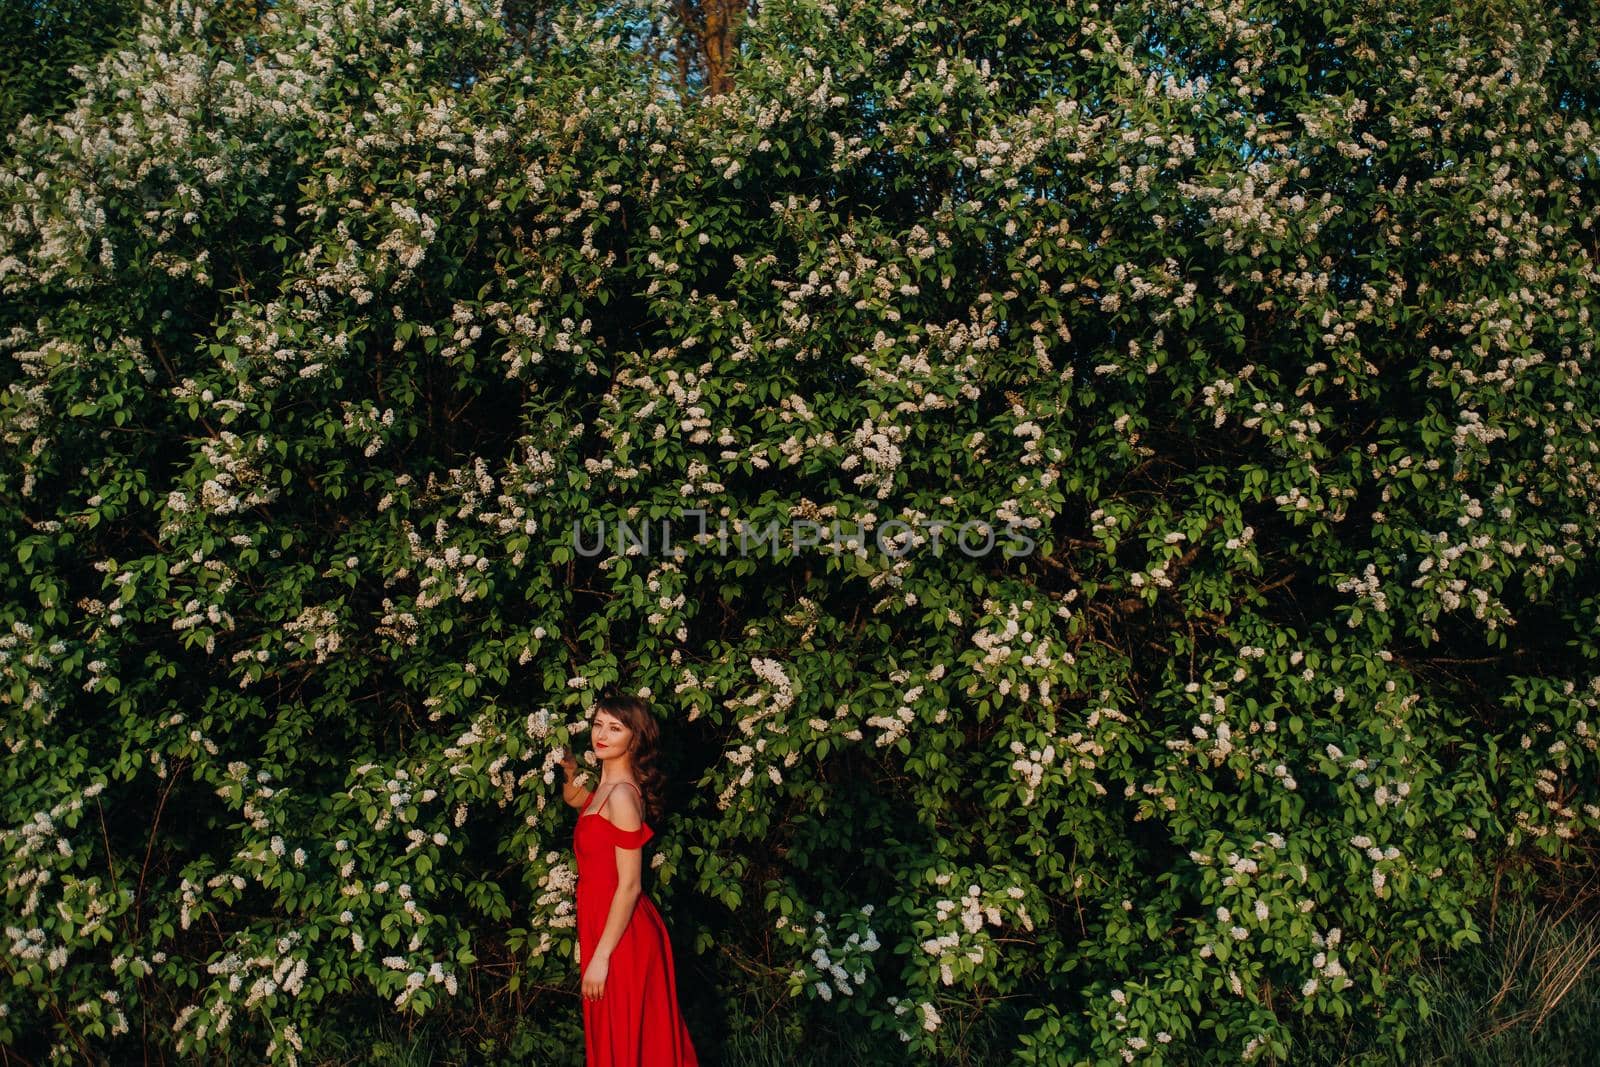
(635, 1022)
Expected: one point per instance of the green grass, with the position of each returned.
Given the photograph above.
(1527, 996)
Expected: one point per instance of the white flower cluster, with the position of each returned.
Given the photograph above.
(415, 978)
(1558, 787)
(196, 613)
(538, 724)
(409, 240)
(30, 668)
(247, 790)
(30, 945)
(291, 1044)
(1011, 645)
(879, 447)
(1214, 739)
(1326, 963)
(317, 630)
(1214, 394)
(1030, 764)
(1447, 568)
(488, 734)
(667, 607)
(770, 701)
(399, 791)
(1132, 1043)
(233, 460)
(451, 570)
(523, 481)
(38, 837)
(1383, 860)
(893, 727)
(274, 971)
(402, 626)
(929, 1017)
(1032, 435)
(829, 966)
(1080, 751)
(31, 414)
(190, 899)
(1251, 208)
(28, 853)
(556, 905)
(963, 940)
(364, 424)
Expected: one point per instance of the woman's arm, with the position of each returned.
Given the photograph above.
(625, 815)
(575, 795)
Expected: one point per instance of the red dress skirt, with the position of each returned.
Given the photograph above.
(635, 1022)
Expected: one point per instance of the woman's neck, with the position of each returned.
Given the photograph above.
(616, 769)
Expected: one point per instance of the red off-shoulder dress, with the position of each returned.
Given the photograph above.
(636, 1021)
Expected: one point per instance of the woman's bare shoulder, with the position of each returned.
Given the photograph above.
(626, 810)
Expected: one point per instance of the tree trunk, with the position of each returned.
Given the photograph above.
(710, 30)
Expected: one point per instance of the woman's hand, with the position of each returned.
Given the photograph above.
(569, 765)
(594, 979)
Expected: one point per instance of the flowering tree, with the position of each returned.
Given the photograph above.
(1265, 326)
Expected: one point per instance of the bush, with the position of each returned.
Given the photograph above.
(1263, 332)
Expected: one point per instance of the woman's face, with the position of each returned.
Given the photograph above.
(609, 737)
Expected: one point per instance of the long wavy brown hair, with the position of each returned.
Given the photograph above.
(635, 714)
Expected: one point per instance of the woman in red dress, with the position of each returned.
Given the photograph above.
(630, 998)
